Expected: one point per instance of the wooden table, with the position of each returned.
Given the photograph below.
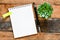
(5, 4)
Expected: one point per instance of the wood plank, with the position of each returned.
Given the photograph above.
(4, 9)
(39, 36)
(30, 1)
(20, 1)
(56, 11)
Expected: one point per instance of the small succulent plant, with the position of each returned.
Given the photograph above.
(45, 10)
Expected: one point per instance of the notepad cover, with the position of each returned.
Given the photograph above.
(22, 20)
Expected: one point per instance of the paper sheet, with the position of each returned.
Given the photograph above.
(23, 22)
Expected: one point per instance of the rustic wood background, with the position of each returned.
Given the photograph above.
(5, 4)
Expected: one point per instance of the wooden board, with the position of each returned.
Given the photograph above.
(4, 4)
(30, 1)
(39, 36)
(56, 9)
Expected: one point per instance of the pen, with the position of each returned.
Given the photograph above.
(37, 21)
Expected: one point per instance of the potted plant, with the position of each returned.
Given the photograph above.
(44, 12)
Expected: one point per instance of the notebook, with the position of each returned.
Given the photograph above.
(22, 20)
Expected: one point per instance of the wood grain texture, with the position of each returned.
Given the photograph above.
(56, 11)
(30, 1)
(20, 1)
(39, 36)
(4, 9)
(5, 4)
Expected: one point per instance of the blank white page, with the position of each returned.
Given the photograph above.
(22, 20)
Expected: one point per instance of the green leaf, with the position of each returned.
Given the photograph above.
(45, 10)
